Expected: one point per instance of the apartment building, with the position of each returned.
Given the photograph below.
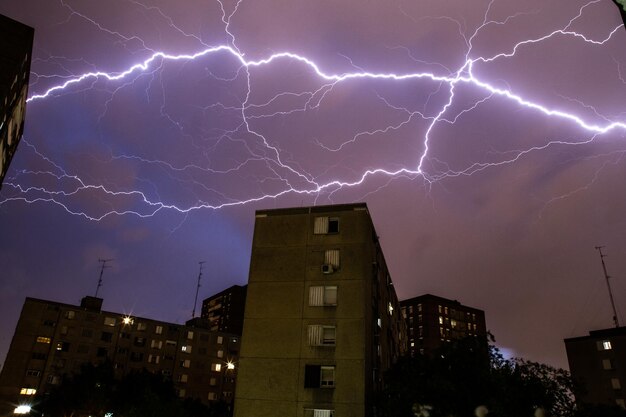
(433, 320)
(16, 44)
(224, 310)
(322, 321)
(52, 340)
(598, 362)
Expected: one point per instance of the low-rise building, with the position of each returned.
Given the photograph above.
(53, 340)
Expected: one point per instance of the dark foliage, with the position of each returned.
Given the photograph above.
(94, 392)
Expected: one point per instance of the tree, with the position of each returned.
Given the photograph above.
(468, 373)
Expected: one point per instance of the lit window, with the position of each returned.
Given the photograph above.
(212, 396)
(213, 382)
(220, 340)
(170, 343)
(128, 320)
(439, 308)
(216, 367)
(63, 346)
(109, 321)
(321, 335)
(153, 359)
(186, 363)
(182, 392)
(604, 345)
(141, 326)
(606, 364)
(390, 309)
(412, 344)
(158, 329)
(42, 339)
(453, 323)
(620, 402)
(419, 307)
(230, 366)
(28, 391)
(379, 322)
(445, 310)
(440, 320)
(70, 314)
(183, 378)
(220, 353)
(33, 372)
(323, 296)
(156, 344)
(185, 348)
(190, 335)
(327, 378)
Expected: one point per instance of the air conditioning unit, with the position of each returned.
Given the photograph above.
(327, 269)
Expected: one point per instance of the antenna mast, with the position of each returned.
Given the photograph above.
(104, 265)
(608, 284)
(193, 314)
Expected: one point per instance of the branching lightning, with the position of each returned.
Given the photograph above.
(59, 186)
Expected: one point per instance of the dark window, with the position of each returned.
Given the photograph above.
(312, 376)
(37, 355)
(140, 341)
(87, 333)
(48, 323)
(33, 372)
(122, 350)
(83, 349)
(63, 346)
(136, 356)
(106, 336)
(333, 225)
(125, 335)
(102, 352)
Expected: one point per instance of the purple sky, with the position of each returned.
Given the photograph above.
(487, 137)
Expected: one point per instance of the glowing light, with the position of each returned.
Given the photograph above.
(230, 366)
(128, 320)
(22, 409)
(294, 179)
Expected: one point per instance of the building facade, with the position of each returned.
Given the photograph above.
(598, 362)
(322, 321)
(224, 310)
(433, 320)
(16, 44)
(53, 340)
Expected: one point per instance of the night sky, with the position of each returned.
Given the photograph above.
(488, 139)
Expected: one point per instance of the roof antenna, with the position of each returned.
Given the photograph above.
(193, 314)
(606, 275)
(104, 265)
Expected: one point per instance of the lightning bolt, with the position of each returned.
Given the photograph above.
(286, 175)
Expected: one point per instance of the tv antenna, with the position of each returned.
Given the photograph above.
(104, 265)
(193, 314)
(608, 284)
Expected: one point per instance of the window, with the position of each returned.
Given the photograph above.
(321, 335)
(318, 412)
(33, 372)
(136, 356)
(64, 330)
(604, 345)
(70, 315)
(49, 323)
(170, 343)
(28, 391)
(212, 396)
(185, 363)
(615, 384)
(323, 296)
(182, 392)
(87, 333)
(102, 352)
(63, 346)
(43, 339)
(326, 225)
(154, 359)
(183, 378)
(158, 329)
(185, 348)
(82, 349)
(190, 335)
(439, 309)
(106, 336)
(230, 366)
(606, 364)
(220, 353)
(390, 308)
(140, 341)
(141, 327)
(109, 321)
(318, 376)
(216, 367)
(213, 382)
(620, 402)
(419, 307)
(440, 320)
(41, 356)
(156, 344)
(331, 260)
(220, 340)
